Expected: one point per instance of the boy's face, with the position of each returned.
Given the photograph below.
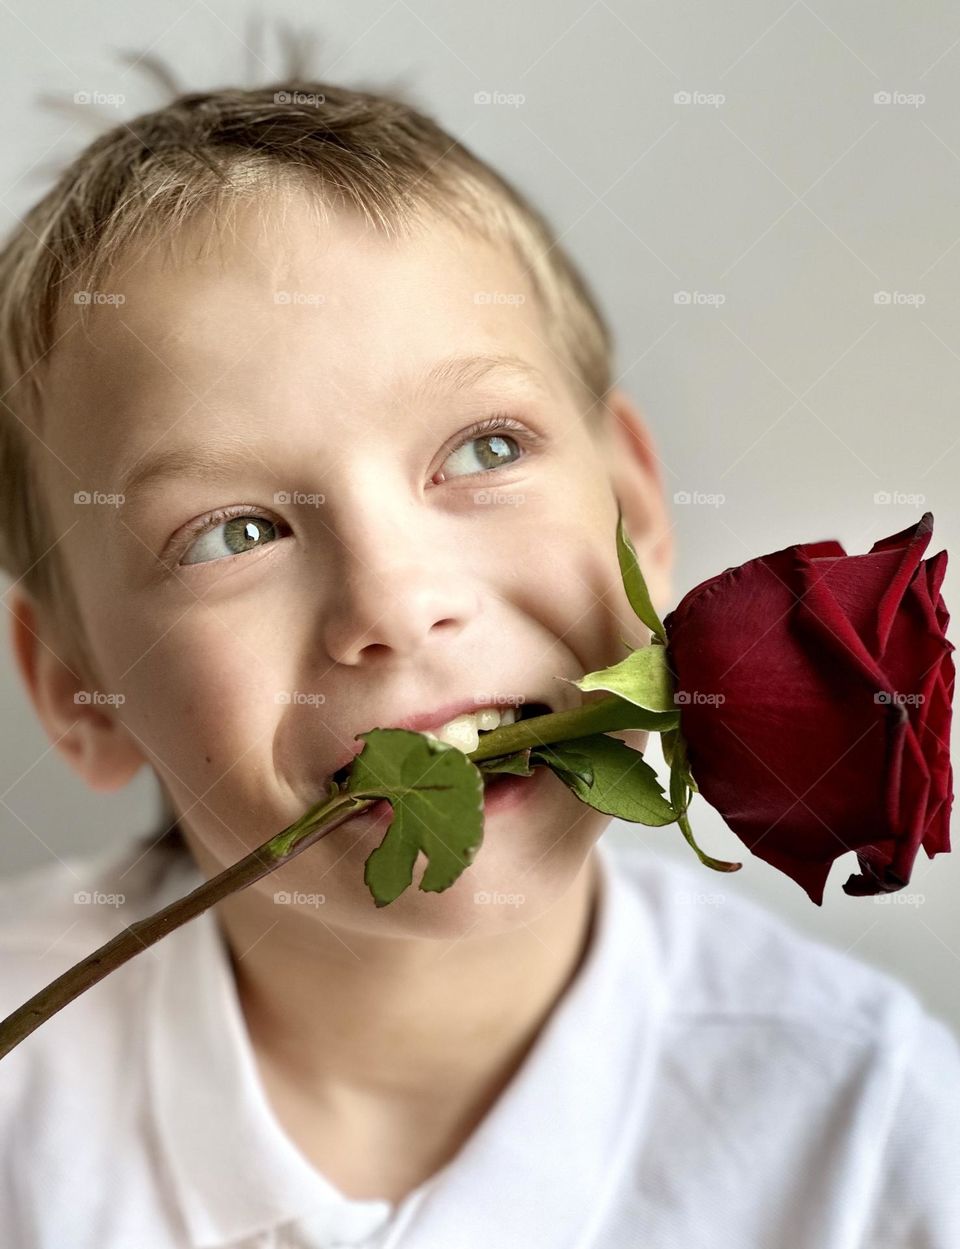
(384, 565)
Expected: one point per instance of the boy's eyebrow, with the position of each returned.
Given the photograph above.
(216, 460)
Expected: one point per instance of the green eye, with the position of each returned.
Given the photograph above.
(233, 534)
(494, 451)
(495, 448)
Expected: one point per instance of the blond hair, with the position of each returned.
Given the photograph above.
(207, 152)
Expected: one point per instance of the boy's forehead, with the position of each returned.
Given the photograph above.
(266, 281)
(278, 305)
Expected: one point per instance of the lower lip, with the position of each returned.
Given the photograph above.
(505, 792)
(501, 792)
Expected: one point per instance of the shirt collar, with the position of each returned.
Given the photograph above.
(541, 1164)
(234, 1171)
(547, 1149)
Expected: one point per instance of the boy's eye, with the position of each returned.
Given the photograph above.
(231, 535)
(235, 531)
(494, 450)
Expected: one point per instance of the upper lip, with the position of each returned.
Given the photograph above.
(423, 721)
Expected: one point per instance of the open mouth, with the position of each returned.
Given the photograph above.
(526, 711)
(495, 780)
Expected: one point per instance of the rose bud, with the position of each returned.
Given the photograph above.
(815, 692)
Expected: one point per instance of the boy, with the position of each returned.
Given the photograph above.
(303, 319)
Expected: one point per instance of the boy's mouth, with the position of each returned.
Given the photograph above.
(463, 729)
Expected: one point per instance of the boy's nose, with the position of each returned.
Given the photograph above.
(399, 606)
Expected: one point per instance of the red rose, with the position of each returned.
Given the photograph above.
(831, 732)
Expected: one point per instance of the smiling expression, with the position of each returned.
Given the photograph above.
(353, 492)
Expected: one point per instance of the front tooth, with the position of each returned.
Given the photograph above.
(508, 715)
(488, 718)
(461, 732)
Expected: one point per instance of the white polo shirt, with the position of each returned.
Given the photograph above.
(711, 1079)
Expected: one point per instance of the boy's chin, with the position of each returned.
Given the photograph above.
(527, 862)
(480, 903)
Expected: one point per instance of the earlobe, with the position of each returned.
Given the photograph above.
(637, 484)
(84, 727)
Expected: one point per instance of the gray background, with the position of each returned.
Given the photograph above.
(796, 197)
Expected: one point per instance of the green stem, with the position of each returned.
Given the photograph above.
(337, 806)
(680, 794)
(146, 932)
(606, 715)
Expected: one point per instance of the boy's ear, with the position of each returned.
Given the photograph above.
(634, 469)
(85, 730)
